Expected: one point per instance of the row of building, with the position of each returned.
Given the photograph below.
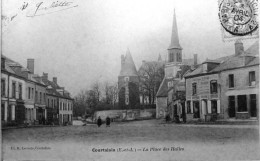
(27, 98)
(223, 88)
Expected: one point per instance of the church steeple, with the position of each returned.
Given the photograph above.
(175, 37)
(174, 52)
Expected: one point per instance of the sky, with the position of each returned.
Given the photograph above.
(83, 44)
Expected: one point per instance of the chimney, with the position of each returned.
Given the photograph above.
(30, 65)
(55, 80)
(195, 59)
(239, 48)
(44, 76)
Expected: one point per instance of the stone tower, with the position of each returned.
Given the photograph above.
(128, 83)
(174, 52)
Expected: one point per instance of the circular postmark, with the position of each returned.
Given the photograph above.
(239, 17)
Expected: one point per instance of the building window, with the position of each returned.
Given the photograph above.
(179, 57)
(126, 79)
(13, 89)
(20, 91)
(32, 92)
(171, 57)
(194, 88)
(231, 80)
(213, 87)
(40, 97)
(2, 87)
(29, 92)
(252, 78)
(3, 111)
(188, 107)
(242, 103)
(48, 102)
(36, 96)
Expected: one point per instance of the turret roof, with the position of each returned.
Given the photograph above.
(128, 66)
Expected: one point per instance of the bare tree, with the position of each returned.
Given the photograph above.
(110, 93)
(151, 74)
(97, 91)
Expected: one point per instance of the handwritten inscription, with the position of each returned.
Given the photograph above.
(43, 8)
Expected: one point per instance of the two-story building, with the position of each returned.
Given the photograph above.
(226, 87)
(12, 93)
(202, 92)
(59, 103)
(240, 83)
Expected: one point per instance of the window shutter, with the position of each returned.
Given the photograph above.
(227, 81)
(191, 106)
(218, 106)
(235, 81)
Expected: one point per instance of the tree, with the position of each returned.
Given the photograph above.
(80, 103)
(111, 93)
(95, 91)
(151, 75)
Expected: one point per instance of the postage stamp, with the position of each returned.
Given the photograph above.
(238, 19)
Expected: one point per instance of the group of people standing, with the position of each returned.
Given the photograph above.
(99, 121)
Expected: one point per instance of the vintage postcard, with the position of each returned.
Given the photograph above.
(134, 80)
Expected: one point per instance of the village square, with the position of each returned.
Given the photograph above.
(173, 105)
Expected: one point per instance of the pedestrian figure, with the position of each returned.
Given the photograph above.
(108, 121)
(99, 121)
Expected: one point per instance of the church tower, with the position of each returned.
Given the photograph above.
(128, 83)
(174, 52)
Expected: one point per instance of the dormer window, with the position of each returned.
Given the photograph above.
(205, 67)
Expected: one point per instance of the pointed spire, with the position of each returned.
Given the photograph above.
(128, 66)
(175, 38)
(159, 58)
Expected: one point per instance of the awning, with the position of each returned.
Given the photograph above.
(29, 106)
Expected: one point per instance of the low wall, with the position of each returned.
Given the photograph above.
(119, 115)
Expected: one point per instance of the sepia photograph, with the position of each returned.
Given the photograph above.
(129, 80)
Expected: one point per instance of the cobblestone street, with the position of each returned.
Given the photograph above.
(71, 142)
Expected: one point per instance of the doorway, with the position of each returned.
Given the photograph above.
(214, 106)
(196, 109)
(231, 106)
